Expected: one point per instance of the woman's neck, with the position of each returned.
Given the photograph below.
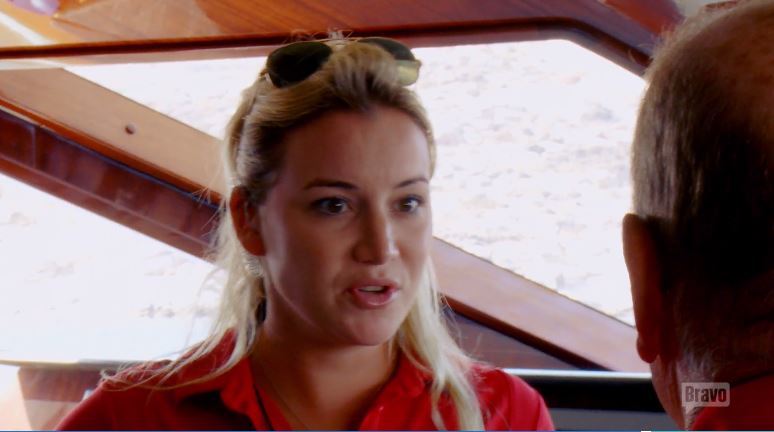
(317, 386)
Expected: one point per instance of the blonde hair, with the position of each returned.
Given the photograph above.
(357, 76)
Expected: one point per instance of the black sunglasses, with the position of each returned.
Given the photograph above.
(295, 62)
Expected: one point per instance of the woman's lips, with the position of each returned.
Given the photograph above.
(373, 294)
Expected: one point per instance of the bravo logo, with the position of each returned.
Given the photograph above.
(705, 394)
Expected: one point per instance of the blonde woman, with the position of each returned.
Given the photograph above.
(330, 317)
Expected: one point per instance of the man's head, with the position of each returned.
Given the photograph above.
(700, 246)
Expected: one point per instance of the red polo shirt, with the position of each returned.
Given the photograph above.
(229, 401)
(751, 407)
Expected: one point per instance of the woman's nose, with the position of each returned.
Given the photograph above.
(376, 239)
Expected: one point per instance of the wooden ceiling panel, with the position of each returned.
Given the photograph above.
(655, 15)
(153, 19)
(132, 26)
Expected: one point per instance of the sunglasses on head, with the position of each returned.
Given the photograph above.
(295, 62)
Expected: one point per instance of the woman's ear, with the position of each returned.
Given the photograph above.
(644, 267)
(244, 217)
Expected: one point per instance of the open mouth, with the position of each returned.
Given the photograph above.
(374, 289)
(373, 296)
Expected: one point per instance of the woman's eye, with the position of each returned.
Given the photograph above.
(331, 206)
(409, 205)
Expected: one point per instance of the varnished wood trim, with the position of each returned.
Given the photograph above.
(632, 58)
(102, 120)
(630, 35)
(655, 15)
(533, 313)
(105, 186)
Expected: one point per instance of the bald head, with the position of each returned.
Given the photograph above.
(749, 69)
(731, 55)
(703, 177)
(700, 249)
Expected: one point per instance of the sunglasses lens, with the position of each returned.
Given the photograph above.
(408, 65)
(408, 72)
(397, 49)
(295, 62)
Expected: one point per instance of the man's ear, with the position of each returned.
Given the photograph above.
(644, 267)
(245, 220)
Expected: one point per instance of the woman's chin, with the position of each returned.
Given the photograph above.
(373, 327)
(372, 333)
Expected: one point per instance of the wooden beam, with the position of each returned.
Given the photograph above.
(115, 27)
(517, 306)
(635, 60)
(105, 186)
(115, 126)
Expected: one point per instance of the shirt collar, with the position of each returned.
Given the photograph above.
(408, 380)
(236, 384)
(202, 367)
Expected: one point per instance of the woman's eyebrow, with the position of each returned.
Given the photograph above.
(411, 181)
(328, 183)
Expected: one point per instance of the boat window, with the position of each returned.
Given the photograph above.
(533, 151)
(83, 287)
(532, 175)
(533, 162)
